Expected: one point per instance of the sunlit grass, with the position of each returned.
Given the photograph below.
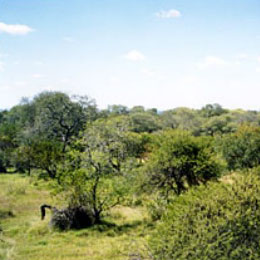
(25, 237)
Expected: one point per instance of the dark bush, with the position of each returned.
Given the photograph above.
(72, 218)
(242, 148)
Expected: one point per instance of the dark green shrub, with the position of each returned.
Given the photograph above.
(72, 218)
(242, 148)
(221, 221)
(179, 160)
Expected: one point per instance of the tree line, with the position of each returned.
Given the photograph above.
(100, 158)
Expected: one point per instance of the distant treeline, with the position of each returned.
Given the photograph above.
(53, 121)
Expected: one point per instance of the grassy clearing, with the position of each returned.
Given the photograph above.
(25, 237)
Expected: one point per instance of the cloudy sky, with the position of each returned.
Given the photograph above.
(155, 53)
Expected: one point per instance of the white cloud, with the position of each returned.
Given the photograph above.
(134, 55)
(257, 69)
(211, 61)
(15, 29)
(258, 59)
(168, 14)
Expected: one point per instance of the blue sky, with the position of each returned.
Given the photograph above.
(155, 53)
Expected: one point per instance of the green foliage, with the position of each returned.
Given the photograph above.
(217, 125)
(95, 174)
(8, 143)
(99, 158)
(60, 117)
(92, 189)
(187, 119)
(218, 221)
(169, 119)
(242, 148)
(156, 205)
(228, 122)
(144, 122)
(118, 110)
(22, 158)
(179, 160)
(43, 154)
(211, 110)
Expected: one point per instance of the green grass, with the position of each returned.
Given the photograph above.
(25, 237)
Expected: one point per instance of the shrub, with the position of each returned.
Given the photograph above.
(180, 160)
(221, 221)
(242, 148)
(72, 218)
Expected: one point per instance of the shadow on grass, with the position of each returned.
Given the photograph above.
(112, 229)
(6, 214)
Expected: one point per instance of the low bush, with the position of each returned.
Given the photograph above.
(72, 218)
(221, 221)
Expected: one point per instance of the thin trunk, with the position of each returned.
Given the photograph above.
(51, 173)
(97, 211)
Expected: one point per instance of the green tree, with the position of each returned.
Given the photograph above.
(118, 110)
(60, 117)
(137, 109)
(242, 148)
(169, 119)
(211, 110)
(96, 171)
(8, 143)
(179, 160)
(144, 122)
(187, 119)
(43, 154)
(218, 125)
